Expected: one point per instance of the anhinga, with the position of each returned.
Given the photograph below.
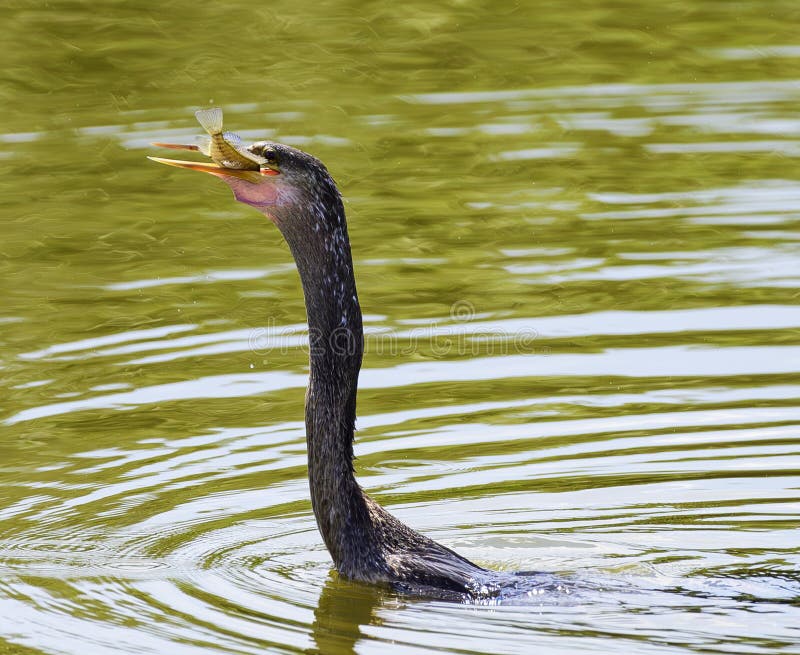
(296, 192)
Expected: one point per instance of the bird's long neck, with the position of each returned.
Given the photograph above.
(321, 249)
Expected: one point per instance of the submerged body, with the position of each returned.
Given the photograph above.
(367, 543)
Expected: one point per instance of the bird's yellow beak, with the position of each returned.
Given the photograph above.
(208, 167)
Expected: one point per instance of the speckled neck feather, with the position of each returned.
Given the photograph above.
(321, 249)
(365, 541)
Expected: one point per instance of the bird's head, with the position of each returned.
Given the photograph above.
(290, 185)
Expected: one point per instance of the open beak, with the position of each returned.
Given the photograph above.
(208, 167)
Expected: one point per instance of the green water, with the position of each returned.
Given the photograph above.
(575, 231)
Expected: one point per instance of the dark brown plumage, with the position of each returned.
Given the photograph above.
(365, 541)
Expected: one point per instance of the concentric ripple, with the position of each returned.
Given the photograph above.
(575, 232)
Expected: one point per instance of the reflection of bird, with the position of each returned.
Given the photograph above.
(296, 192)
(343, 611)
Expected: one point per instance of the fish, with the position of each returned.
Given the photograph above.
(225, 148)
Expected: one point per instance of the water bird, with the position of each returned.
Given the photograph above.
(296, 192)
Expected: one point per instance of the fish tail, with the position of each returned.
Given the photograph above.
(210, 119)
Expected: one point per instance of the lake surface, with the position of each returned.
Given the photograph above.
(575, 232)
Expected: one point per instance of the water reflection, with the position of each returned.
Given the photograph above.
(343, 615)
(575, 235)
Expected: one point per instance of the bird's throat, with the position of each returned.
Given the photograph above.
(321, 249)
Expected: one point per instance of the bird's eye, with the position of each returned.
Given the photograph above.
(269, 154)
